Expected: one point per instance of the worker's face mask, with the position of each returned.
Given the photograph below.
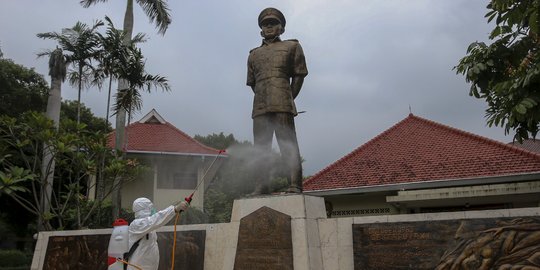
(153, 211)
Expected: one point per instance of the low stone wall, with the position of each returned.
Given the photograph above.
(87, 249)
(491, 239)
(292, 232)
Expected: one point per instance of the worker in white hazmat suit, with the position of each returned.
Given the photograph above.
(147, 220)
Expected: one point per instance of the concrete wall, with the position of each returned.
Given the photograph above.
(318, 242)
(337, 237)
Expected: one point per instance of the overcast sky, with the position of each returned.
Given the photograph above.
(368, 61)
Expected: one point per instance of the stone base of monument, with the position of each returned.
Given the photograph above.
(292, 232)
(278, 232)
(265, 232)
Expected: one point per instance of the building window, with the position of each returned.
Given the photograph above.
(185, 180)
(177, 174)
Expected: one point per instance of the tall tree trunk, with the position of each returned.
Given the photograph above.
(78, 202)
(79, 95)
(121, 114)
(108, 102)
(47, 166)
(123, 84)
(100, 181)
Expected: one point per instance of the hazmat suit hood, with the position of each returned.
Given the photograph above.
(143, 207)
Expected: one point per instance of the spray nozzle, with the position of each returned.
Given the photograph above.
(189, 198)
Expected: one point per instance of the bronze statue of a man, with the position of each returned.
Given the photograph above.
(276, 72)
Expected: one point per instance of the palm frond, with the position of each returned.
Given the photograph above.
(88, 3)
(132, 69)
(157, 82)
(44, 53)
(88, 77)
(129, 100)
(49, 35)
(158, 12)
(139, 38)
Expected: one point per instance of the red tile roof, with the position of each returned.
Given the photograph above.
(532, 145)
(153, 136)
(417, 150)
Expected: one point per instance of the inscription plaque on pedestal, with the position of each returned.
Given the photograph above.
(264, 241)
(485, 243)
(77, 252)
(90, 251)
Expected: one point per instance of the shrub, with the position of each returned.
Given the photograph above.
(100, 217)
(13, 257)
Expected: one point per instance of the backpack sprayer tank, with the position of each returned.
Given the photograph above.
(118, 244)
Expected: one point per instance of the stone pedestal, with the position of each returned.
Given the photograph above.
(291, 232)
(304, 211)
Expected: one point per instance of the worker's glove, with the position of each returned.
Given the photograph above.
(182, 206)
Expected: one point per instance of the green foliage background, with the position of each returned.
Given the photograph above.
(506, 73)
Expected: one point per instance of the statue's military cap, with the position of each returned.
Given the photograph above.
(273, 13)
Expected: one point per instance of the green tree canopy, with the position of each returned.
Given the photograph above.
(21, 89)
(219, 141)
(506, 73)
(92, 122)
(80, 45)
(77, 152)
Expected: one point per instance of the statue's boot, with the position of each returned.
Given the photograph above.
(260, 189)
(294, 189)
(296, 180)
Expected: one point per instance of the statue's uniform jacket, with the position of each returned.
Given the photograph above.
(270, 68)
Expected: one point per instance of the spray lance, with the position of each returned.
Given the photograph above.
(188, 199)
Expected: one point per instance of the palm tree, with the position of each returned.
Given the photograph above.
(57, 71)
(128, 99)
(112, 51)
(132, 70)
(158, 12)
(82, 46)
